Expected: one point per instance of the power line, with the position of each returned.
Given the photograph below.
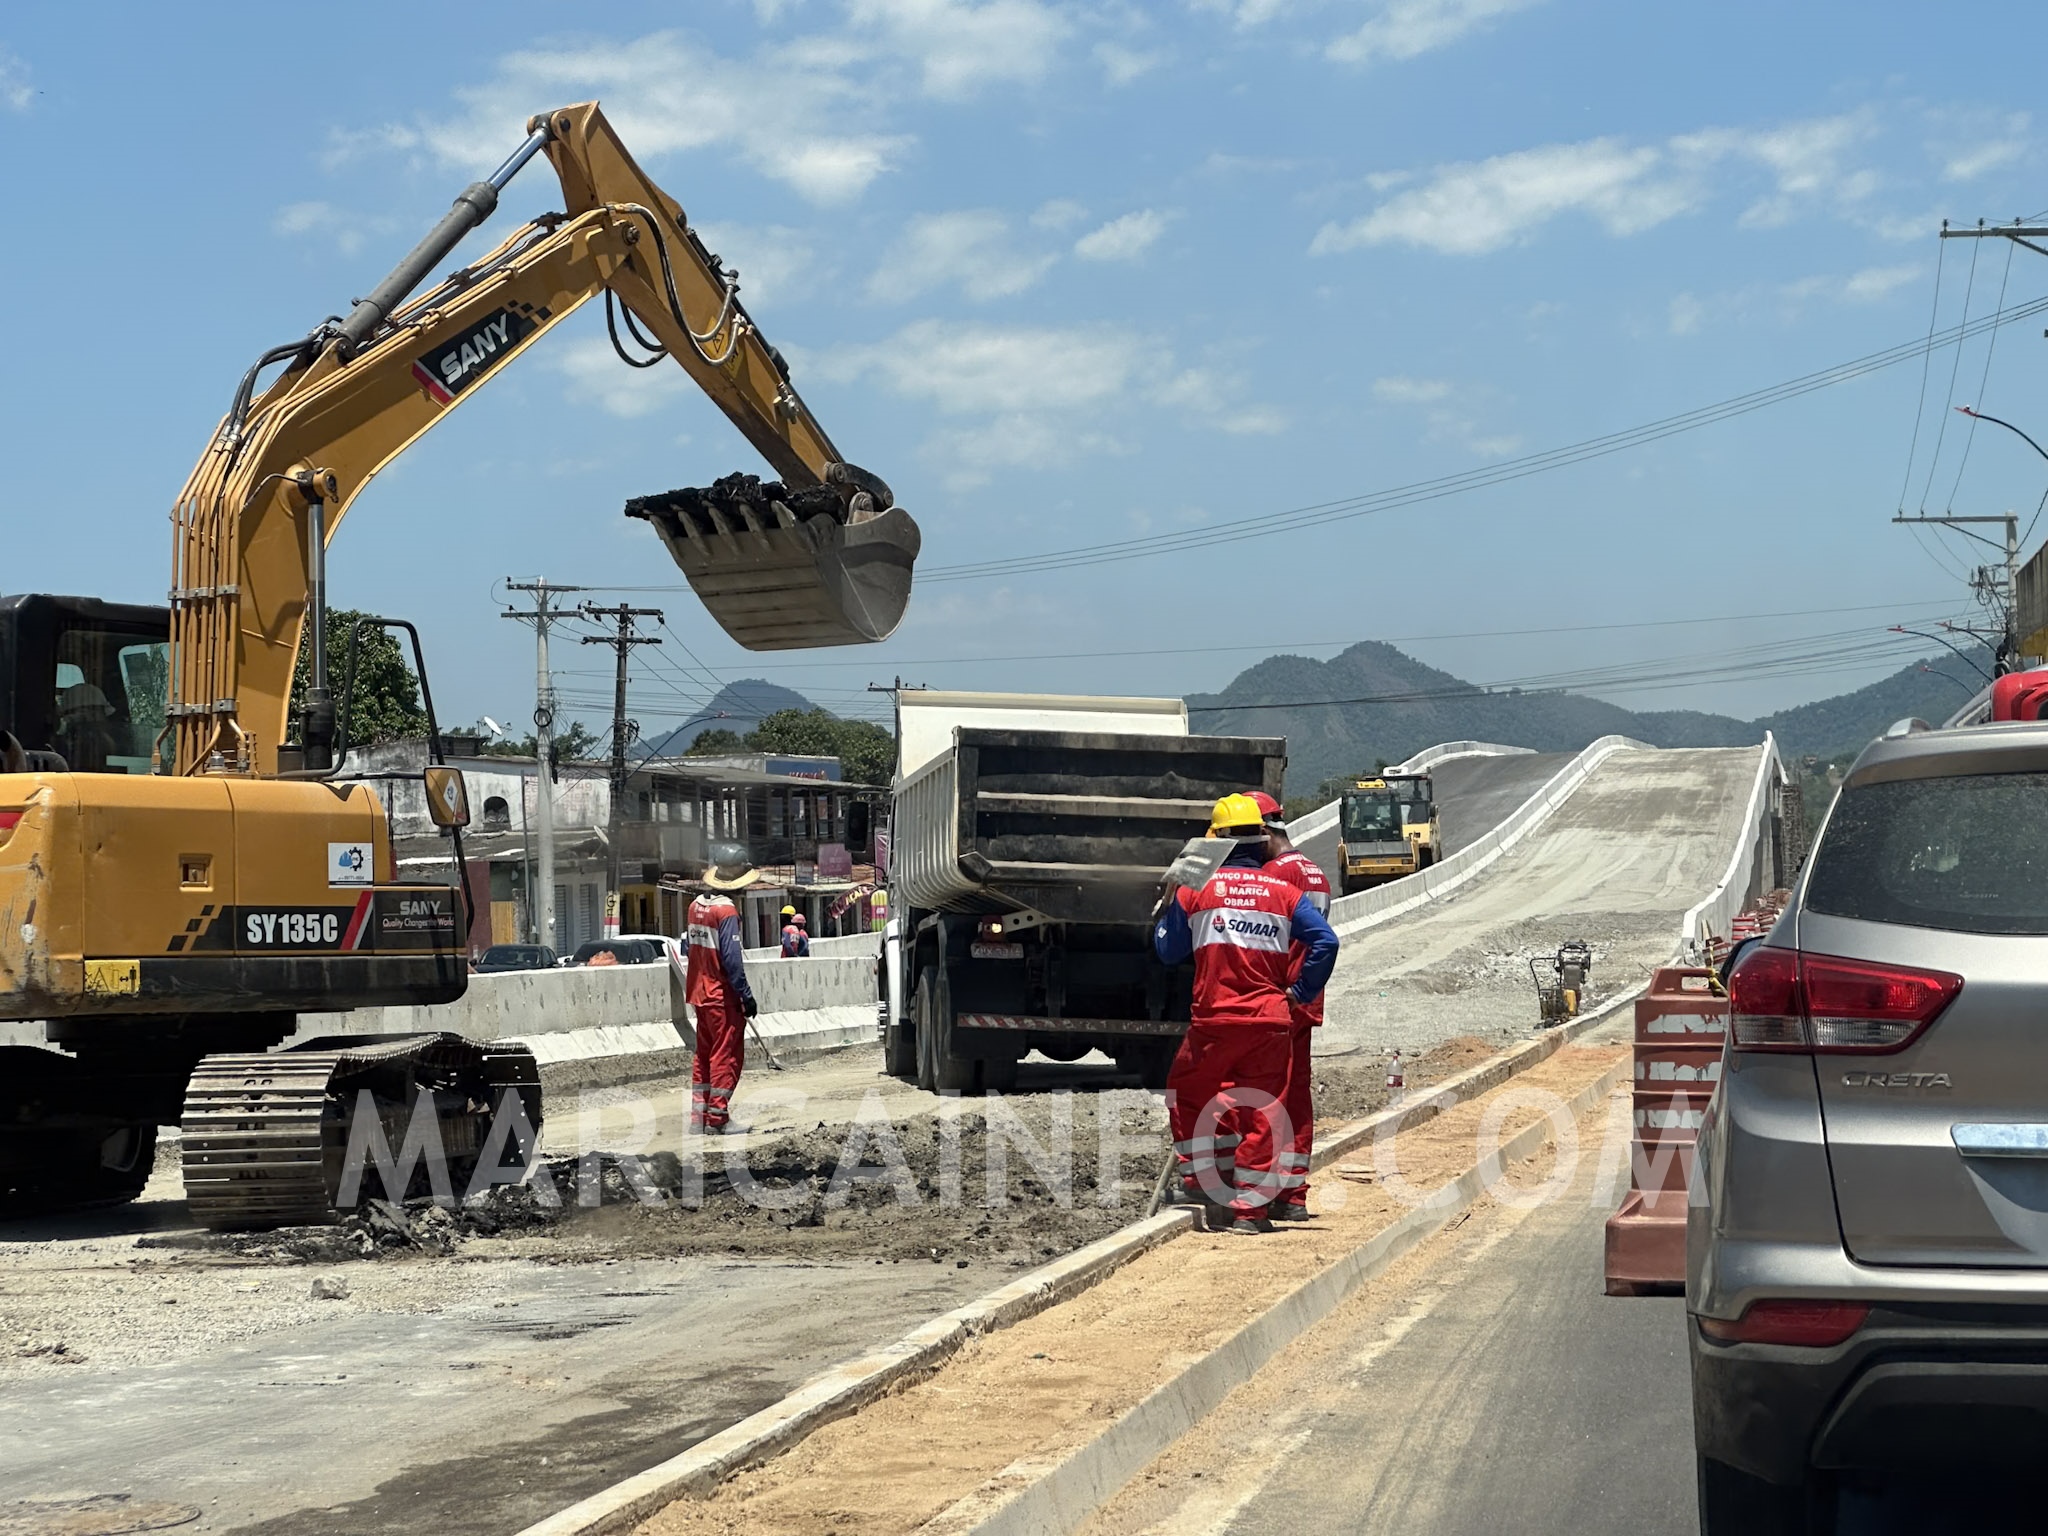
(1503, 472)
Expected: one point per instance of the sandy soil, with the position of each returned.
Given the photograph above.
(1028, 1395)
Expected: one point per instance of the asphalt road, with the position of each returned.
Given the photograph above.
(1473, 795)
(1485, 1385)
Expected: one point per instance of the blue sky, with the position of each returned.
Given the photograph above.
(1067, 275)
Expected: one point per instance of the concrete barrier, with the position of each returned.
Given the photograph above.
(1748, 866)
(1444, 751)
(619, 1011)
(1367, 909)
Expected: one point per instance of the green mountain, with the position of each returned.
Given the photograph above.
(1408, 706)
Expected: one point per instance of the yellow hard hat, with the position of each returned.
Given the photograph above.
(789, 911)
(1236, 816)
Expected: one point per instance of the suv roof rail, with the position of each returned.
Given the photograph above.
(1912, 725)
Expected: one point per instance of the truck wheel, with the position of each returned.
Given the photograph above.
(924, 1033)
(899, 1051)
(949, 1073)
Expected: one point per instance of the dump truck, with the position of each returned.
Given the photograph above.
(1387, 828)
(1029, 836)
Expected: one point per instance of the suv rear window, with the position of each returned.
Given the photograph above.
(1967, 853)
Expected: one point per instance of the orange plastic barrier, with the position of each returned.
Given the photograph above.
(1681, 1023)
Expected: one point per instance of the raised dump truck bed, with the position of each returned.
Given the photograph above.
(1025, 863)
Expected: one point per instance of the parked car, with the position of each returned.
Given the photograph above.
(626, 951)
(1867, 1248)
(517, 957)
(673, 947)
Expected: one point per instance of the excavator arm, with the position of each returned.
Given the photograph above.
(821, 558)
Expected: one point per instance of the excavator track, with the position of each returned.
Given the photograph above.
(265, 1136)
(253, 1139)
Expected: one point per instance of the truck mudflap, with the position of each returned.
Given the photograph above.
(1068, 1026)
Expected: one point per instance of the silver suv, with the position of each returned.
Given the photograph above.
(1867, 1246)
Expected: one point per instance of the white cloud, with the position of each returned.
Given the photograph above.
(958, 47)
(1481, 206)
(1121, 65)
(1445, 423)
(1484, 205)
(1123, 239)
(969, 249)
(16, 93)
(966, 369)
(1873, 283)
(775, 262)
(1041, 394)
(1061, 213)
(346, 232)
(1687, 313)
(1971, 163)
(1400, 390)
(1402, 29)
(596, 376)
(667, 96)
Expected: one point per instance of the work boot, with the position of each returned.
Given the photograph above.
(1249, 1225)
(1290, 1212)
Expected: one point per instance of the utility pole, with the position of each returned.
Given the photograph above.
(622, 731)
(542, 900)
(1998, 583)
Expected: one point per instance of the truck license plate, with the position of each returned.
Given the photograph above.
(983, 950)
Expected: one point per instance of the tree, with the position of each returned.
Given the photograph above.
(386, 702)
(573, 740)
(717, 742)
(866, 752)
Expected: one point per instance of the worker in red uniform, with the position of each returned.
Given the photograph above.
(1291, 864)
(796, 938)
(718, 993)
(1239, 928)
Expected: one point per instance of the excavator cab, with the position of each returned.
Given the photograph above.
(82, 683)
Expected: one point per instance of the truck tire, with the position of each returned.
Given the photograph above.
(948, 1073)
(922, 1032)
(899, 1051)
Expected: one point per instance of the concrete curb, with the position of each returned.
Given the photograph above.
(1060, 1496)
(846, 1388)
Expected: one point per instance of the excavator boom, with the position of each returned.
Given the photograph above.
(822, 557)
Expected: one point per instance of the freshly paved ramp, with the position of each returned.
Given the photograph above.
(1476, 794)
(1473, 794)
(1618, 864)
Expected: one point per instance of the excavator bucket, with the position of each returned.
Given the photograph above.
(784, 569)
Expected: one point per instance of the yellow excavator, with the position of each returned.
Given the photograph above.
(178, 881)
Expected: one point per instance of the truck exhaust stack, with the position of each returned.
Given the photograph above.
(783, 569)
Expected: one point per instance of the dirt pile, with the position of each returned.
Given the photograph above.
(1013, 1180)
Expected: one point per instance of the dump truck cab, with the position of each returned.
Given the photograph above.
(1387, 828)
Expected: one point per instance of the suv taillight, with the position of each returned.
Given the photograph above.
(1786, 1000)
(1815, 1324)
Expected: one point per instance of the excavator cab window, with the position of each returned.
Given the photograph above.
(83, 679)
